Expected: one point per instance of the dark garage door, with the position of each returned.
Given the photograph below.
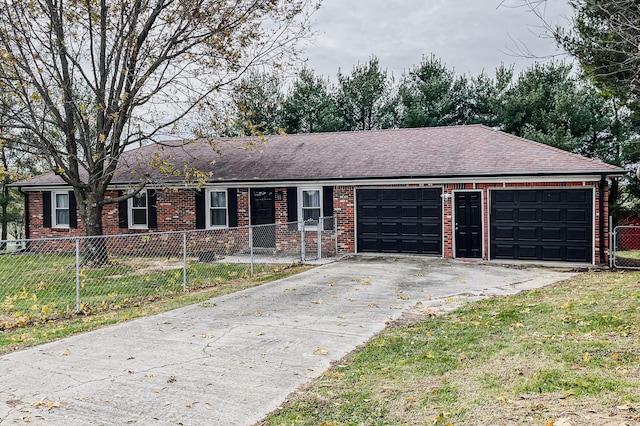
(399, 220)
(544, 224)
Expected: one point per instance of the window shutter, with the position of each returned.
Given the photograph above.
(232, 207)
(327, 201)
(152, 200)
(292, 204)
(73, 216)
(46, 209)
(123, 214)
(201, 213)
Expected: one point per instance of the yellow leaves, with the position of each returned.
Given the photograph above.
(150, 375)
(587, 357)
(47, 404)
(66, 352)
(258, 313)
(320, 351)
(516, 325)
(102, 138)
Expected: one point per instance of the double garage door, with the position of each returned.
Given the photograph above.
(527, 224)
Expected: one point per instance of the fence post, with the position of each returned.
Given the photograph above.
(612, 243)
(77, 275)
(251, 251)
(319, 228)
(302, 242)
(184, 261)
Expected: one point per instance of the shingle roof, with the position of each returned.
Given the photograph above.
(429, 152)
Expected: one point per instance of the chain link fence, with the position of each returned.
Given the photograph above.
(53, 278)
(625, 247)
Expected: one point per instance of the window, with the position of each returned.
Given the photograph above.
(311, 206)
(60, 209)
(139, 210)
(217, 209)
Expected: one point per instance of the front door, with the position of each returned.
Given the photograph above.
(468, 225)
(263, 212)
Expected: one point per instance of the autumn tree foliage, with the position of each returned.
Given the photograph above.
(90, 78)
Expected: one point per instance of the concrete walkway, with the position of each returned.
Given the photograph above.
(234, 359)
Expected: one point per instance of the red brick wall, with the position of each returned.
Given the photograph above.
(176, 211)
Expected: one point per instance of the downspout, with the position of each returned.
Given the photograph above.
(603, 182)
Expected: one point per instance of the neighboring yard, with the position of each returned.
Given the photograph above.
(564, 355)
(42, 307)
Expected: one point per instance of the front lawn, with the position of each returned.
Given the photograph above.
(564, 355)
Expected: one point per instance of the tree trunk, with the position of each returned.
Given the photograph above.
(95, 246)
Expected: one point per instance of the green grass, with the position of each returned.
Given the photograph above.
(530, 358)
(39, 332)
(38, 288)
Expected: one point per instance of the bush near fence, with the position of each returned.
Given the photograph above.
(48, 280)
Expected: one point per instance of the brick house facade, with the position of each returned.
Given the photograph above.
(455, 192)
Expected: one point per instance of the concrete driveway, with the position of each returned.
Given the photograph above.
(233, 360)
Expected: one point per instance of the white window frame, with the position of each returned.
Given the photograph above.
(54, 210)
(130, 209)
(209, 207)
(302, 208)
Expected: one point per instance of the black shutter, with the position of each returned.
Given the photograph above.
(123, 214)
(327, 201)
(73, 216)
(152, 200)
(46, 209)
(232, 207)
(201, 213)
(292, 204)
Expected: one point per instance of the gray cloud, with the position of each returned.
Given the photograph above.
(468, 35)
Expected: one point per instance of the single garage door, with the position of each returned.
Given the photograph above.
(399, 220)
(542, 224)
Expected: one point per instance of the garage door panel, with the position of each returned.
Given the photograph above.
(551, 234)
(368, 212)
(542, 224)
(527, 233)
(577, 216)
(528, 215)
(407, 220)
(506, 215)
(410, 212)
(577, 235)
(551, 215)
(552, 253)
(551, 196)
(526, 196)
(526, 252)
(503, 233)
(576, 254)
(578, 197)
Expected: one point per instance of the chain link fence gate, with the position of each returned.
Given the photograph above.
(625, 247)
(52, 278)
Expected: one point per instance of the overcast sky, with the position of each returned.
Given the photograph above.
(468, 35)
